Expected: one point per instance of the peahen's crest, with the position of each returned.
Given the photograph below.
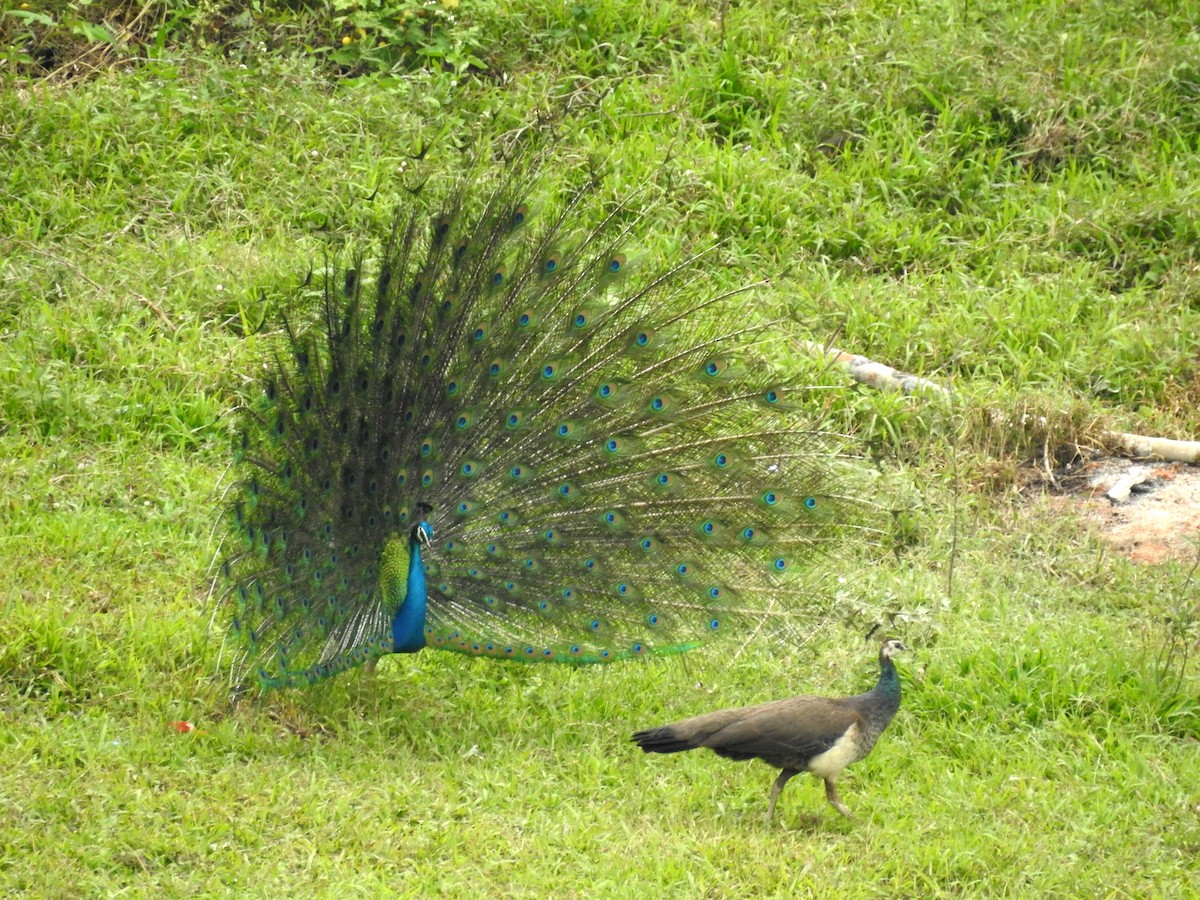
(496, 440)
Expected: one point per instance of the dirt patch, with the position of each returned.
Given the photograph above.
(1148, 511)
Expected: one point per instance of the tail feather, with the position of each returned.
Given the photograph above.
(613, 472)
(662, 740)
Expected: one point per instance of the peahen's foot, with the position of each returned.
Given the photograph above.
(835, 801)
(776, 790)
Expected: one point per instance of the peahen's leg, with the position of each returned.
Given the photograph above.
(835, 801)
(777, 788)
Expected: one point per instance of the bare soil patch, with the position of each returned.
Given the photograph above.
(1148, 511)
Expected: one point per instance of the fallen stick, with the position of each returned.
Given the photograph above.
(1139, 446)
(881, 377)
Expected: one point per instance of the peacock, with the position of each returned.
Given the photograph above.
(492, 432)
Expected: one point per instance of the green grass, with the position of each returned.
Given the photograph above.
(1012, 211)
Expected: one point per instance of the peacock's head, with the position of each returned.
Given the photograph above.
(891, 647)
(422, 532)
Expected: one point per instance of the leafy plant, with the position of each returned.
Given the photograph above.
(383, 36)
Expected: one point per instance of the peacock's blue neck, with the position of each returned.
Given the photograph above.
(408, 625)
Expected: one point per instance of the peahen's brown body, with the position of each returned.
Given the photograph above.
(821, 735)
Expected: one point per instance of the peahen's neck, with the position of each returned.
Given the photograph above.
(889, 680)
(408, 624)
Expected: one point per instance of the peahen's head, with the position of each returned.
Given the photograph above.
(891, 647)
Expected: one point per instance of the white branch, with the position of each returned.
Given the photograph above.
(882, 377)
(1138, 446)
(873, 374)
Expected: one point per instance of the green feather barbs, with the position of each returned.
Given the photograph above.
(617, 475)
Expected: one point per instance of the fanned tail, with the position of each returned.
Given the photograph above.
(613, 470)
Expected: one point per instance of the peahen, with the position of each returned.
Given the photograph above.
(821, 735)
(496, 439)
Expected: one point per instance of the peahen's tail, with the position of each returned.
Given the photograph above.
(612, 470)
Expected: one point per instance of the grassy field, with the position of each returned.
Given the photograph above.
(999, 196)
